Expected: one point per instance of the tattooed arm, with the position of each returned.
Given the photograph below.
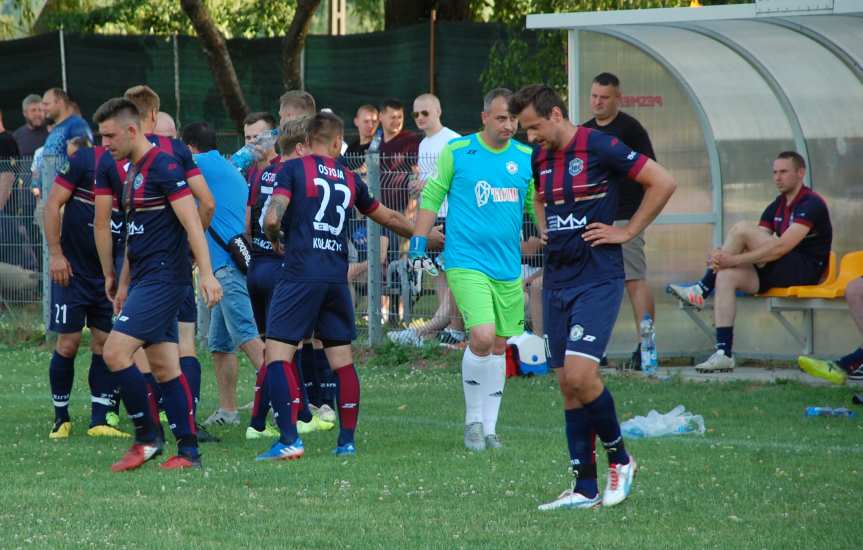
(273, 220)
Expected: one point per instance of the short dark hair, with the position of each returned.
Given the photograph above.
(796, 159)
(115, 107)
(253, 118)
(201, 136)
(59, 93)
(392, 103)
(300, 99)
(542, 97)
(324, 127)
(607, 79)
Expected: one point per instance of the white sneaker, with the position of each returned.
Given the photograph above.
(718, 362)
(223, 418)
(619, 483)
(571, 499)
(691, 294)
(473, 438)
(326, 413)
(406, 337)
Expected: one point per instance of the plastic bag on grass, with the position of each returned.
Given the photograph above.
(675, 422)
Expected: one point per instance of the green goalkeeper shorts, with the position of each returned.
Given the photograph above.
(485, 301)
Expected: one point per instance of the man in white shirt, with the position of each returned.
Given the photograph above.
(426, 114)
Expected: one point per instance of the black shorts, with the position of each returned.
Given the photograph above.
(792, 269)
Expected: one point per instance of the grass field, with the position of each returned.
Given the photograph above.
(763, 476)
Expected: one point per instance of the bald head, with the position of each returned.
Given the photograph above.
(427, 113)
(165, 125)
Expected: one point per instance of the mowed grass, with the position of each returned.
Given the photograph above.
(764, 476)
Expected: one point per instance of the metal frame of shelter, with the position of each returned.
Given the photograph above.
(780, 13)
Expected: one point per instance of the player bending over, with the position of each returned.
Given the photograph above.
(577, 173)
(309, 211)
(161, 224)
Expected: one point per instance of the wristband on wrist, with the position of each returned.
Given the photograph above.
(417, 246)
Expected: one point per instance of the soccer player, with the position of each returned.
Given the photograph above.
(486, 179)
(848, 367)
(577, 173)
(77, 294)
(161, 225)
(148, 103)
(308, 209)
(789, 246)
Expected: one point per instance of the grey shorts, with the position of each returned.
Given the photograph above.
(634, 261)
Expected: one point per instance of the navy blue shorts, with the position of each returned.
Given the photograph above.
(791, 269)
(83, 300)
(261, 280)
(579, 320)
(300, 309)
(150, 311)
(188, 312)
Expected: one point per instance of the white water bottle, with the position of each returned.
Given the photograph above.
(649, 362)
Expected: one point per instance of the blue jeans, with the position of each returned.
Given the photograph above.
(232, 322)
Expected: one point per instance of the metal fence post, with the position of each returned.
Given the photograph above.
(47, 173)
(373, 178)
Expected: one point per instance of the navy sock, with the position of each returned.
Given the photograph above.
(101, 390)
(326, 378)
(155, 389)
(603, 420)
(133, 392)
(284, 398)
(191, 369)
(725, 339)
(853, 360)
(261, 403)
(309, 372)
(708, 282)
(179, 407)
(61, 375)
(304, 413)
(582, 451)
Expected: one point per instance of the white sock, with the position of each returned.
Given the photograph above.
(493, 382)
(472, 375)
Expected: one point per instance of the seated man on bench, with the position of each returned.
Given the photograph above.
(790, 246)
(850, 366)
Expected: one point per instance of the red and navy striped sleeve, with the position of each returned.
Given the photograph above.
(615, 155)
(70, 177)
(811, 210)
(767, 221)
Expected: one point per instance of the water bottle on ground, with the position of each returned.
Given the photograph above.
(829, 411)
(649, 362)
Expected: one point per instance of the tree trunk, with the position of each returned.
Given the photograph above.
(219, 59)
(294, 41)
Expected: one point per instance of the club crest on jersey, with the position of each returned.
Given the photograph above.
(512, 168)
(483, 192)
(139, 181)
(576, 332)
(576, 166)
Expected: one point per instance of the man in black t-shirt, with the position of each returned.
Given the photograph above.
(608, 118)
(366, 121)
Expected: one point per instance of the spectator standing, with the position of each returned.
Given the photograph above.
(367, 121)
(32, 134)
(60, 111)
(232, 324)
(398, 154)
(608, 118)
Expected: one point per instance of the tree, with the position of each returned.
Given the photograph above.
(219, 59)
(398, 13)
(294, 41)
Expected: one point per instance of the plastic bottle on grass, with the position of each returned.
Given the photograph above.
(829, 411)
(675, 422)
(649, 362)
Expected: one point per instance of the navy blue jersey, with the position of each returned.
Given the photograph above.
(580, 185)
(157, 244)
(321, 191)
(809, 209)
(76, 238)
(179, 150)
(260, 191)
(110, 173)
